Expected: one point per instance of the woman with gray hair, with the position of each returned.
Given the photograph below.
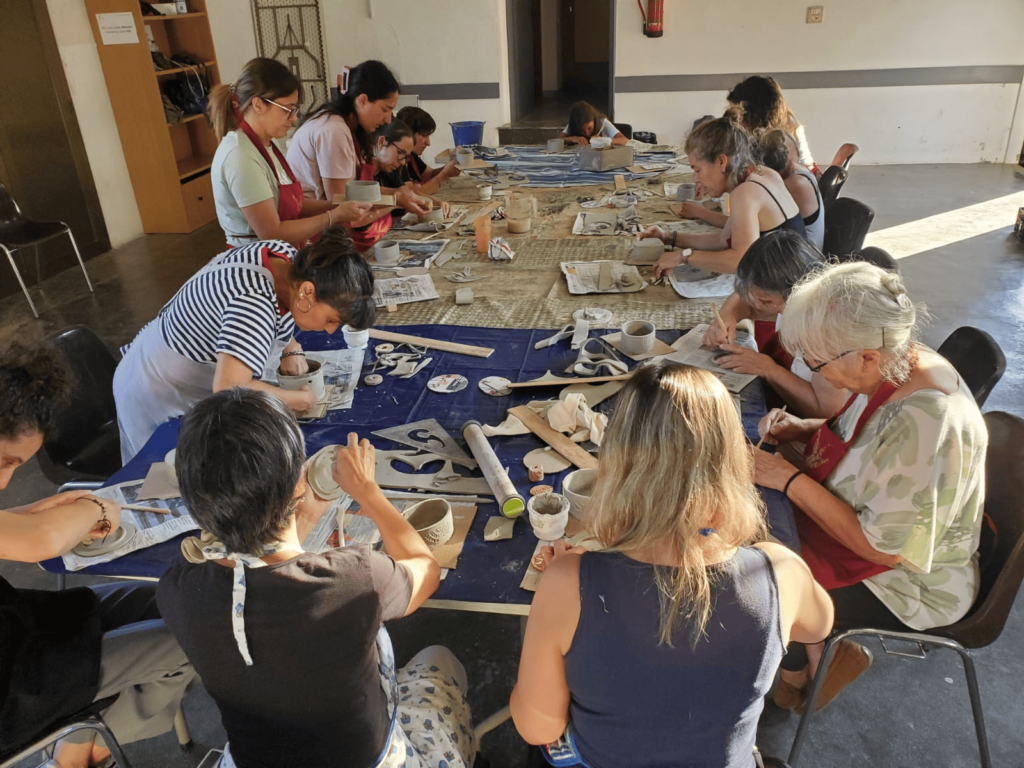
(889, 497)
(724, 158)
(764, 280)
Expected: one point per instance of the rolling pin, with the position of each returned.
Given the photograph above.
(510, 502)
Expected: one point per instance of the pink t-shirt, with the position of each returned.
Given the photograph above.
(322, 148)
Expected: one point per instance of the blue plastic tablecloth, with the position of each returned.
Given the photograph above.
(488, 572)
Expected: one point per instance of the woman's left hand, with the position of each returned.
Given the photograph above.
(561, 547)
(411, 202)
(446, 209)
(667, 263)
(771, 470)
(745, 361)
(294, 365)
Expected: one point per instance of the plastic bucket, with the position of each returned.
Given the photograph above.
(468, 133)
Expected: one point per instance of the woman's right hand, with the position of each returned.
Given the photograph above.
(667, 263)
(411, 202)
(300, 400)
(782, 427)
(354, 465)
(561, 547)
(653, 231)
(692, 210)
(99, 529)
(715, 336)
(352, 212)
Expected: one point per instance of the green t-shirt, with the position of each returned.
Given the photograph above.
(241, 177)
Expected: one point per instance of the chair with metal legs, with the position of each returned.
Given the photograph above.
(1002, 570)
(87, 720)
(17, 232)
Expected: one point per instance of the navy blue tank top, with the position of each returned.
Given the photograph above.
(794, 222)
(634, 702)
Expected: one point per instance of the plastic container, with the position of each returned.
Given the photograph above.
(468, 133)
(482, 232)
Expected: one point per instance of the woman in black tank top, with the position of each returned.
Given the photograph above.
(724, 159)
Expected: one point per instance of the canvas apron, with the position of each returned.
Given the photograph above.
(154, 383)
(834, 565)
(364, 238)
(290, 198)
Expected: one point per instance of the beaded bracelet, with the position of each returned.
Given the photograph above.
(103, 524)
(785, 488)
(289, 354)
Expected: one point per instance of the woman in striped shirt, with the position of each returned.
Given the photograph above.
(232, 317)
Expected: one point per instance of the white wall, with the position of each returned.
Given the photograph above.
(906, 124)
(234, 36)
(95, 119)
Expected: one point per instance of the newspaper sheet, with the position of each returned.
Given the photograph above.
(690, 352)
(403, 290)
(414, 253)
(585, 277)
(341, 369)
(722, 285)
(153, 527)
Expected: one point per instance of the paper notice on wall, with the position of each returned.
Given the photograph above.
(117, 28)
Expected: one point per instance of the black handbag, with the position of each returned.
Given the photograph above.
(188, 91)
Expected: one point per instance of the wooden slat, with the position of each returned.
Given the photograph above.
(567, 382)
(419, 341)
(556, 440)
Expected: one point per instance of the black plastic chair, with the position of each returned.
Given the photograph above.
(977, 358)
(647, 137)
(625, 129)
(847, 222)
(17, 232)
(84, 442)
(831, 181)
(844, 155)
(15, 755)
(875, 255)
(1002, 570)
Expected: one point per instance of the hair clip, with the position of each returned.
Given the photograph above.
(344, 78)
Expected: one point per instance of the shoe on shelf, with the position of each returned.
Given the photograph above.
(848, 663)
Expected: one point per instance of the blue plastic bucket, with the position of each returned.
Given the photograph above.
(468, 133)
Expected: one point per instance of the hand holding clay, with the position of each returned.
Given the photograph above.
(561, 547)
(657, 232)
(667, 263)
(771, 470)
(745, 361)
(411, 202)
(583, 141)
(352, 212)
(294, 365)
(781, 427)
(103, 527)
(692, 210)
(451, 169)
(446, 209)
(354, 466)
(299, 400)
(715, 336)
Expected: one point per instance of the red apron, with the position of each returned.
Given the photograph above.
(289, 201)
(768, 343)
(365, 237)
(265, 254)
(832, 563)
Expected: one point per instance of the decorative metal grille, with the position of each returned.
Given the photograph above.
(291, 32)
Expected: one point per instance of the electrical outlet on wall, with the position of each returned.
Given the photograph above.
(814, 14)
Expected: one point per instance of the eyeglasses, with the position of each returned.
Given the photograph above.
(292, 111)
(402, 154)
(819, 366)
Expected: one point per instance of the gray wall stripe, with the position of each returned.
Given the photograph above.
(849, 78)
(452, 91)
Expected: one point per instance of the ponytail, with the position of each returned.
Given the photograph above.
(260, 78)
(342, 277)
(371, 78)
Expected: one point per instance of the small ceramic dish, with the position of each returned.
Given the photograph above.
(104, 546)
(321, 474)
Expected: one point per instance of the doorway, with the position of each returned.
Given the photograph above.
(560, 52)
(43, 163)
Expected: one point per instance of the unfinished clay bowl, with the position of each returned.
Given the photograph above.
(432, 519)
(464, 156)
(578, 487)
(362, 191)
(549, 514)
(387, 252)
(435, 216)
(321, 474)
(637, 337)
(312, 378)
(686, 191)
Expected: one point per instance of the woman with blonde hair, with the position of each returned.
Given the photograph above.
(659, 650)
(890, 491)
(724, 158)
(256, 194)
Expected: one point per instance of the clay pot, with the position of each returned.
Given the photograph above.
(362, 191)
(578, 487)
(637, 337)
(549, 514)
(314, 378)
(432, 519)
(387, 252)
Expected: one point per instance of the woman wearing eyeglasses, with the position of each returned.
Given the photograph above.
(254, 189)
(335, 145)
(889, 494)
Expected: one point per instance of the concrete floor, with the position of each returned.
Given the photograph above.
(904, 712)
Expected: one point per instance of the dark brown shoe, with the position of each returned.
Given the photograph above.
(788, 696)
(848, 663)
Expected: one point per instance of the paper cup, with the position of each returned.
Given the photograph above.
(549, 514)
(313, 378)
(355, 339)
(637, 337)
(387, 252)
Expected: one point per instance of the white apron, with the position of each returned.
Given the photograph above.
(154, 383)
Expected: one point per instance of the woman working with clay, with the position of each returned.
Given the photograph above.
(724, 159)
(64, 650)
(586, 123)
(298, 660)
(255, 192)
(659, 650)
(889, 495)
(778, 151)
(425, 180)
(765, 277)
(393, 148)
(231, 319)
(335, 145)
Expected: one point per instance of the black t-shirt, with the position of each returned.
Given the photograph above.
(312, 696)
(416, 167)
(49, 659)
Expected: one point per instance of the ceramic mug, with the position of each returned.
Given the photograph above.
(313, 378)
(549, 514)
(484, 191)
(464, 156)
(556, 145)
(637, 337)
(355, 339)
(686, 192)
(432, 519)
(578, 487)
(387, 252)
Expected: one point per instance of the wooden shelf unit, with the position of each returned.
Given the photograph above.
(169, 165)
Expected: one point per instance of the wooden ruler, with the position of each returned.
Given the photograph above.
(566, 382)
(556, 440)
(419, 341)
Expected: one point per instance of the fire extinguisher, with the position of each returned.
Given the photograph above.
(654, 19)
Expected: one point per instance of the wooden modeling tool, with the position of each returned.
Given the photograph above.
(771, 424)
